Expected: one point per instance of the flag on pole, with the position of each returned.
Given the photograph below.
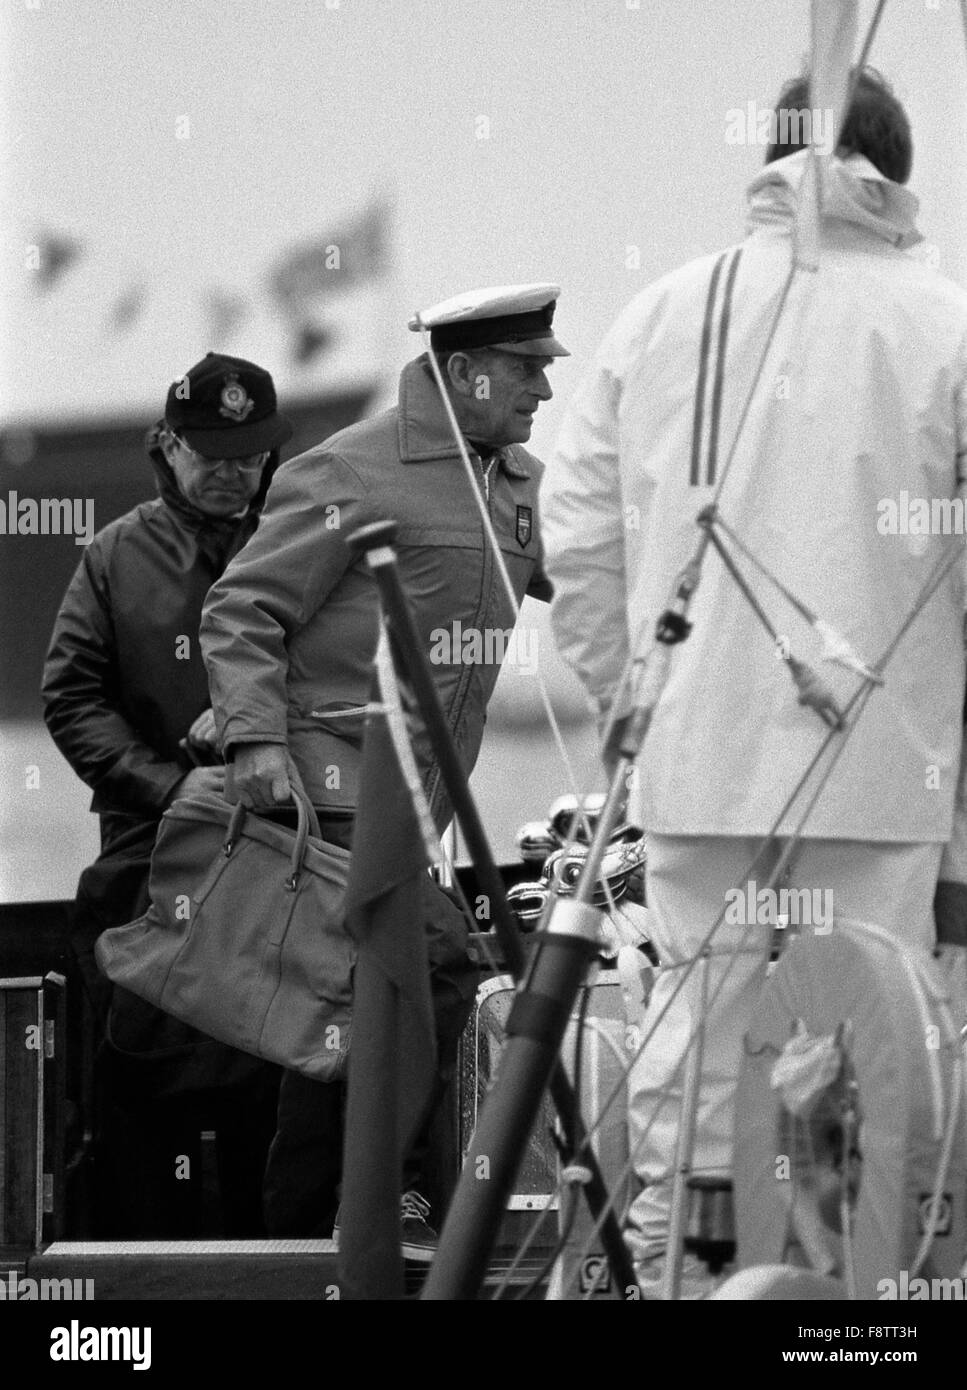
(393, 1056)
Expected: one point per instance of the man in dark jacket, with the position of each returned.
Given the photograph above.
(126, 700)
(289, 637)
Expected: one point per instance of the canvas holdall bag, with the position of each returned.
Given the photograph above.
(245, 938)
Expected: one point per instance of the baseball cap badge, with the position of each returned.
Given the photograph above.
(236, 404)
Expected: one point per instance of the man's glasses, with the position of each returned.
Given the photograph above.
(248, 463)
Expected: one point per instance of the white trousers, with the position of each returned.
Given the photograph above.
(689, 879)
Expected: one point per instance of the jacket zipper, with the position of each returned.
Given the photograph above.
(486, 578)
(486, 479)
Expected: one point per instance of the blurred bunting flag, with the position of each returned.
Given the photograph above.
(225, 313)
(315, 283)
(55, 252)
(334, 263)
(127, 308)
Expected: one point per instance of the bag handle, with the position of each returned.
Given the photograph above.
(307, 824)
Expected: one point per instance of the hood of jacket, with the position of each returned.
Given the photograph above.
(855, 192)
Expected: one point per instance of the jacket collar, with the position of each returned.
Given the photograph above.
(855, 192)
(424, 430)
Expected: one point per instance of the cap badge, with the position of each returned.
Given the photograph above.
(236, 404)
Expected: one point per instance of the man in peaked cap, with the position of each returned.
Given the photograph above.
(126, 701)
(289, 636)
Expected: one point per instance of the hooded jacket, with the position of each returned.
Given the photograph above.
(861, 406)
(124, 679)
(289, 632)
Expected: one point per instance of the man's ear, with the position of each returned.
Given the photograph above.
(167, 442)
(460, 372)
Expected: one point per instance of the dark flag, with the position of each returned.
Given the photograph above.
(56, 253)
(225, 313)
(316, 283)
(352, 252)
(127, 308)
(393, 1052)
(310, 339)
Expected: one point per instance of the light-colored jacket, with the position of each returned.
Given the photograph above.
(289, 631)
(861, 407)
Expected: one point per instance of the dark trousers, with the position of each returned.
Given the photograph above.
(304, 1168)
(152, 1181)
(158, 1085)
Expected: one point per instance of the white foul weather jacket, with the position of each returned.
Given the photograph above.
(860, 409)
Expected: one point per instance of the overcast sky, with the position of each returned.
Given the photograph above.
(510, 140)
(580, 141)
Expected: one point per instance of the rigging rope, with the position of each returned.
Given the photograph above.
(858, 700)
(641, 665)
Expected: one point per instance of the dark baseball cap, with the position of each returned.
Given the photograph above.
(225, 407)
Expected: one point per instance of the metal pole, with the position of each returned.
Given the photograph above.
(371, 1268)
(447, 870)
(672, 1279)
(535, 1030)
(376, 542)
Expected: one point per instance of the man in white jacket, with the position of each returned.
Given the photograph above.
(861, 407)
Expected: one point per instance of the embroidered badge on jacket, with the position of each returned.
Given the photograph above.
(524, 525)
